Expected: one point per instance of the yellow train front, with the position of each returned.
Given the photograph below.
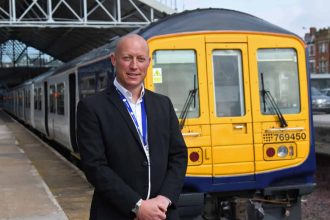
(241, 88)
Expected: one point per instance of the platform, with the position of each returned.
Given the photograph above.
(36, 183)
(322, 133)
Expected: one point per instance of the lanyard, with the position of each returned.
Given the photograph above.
(143, 136)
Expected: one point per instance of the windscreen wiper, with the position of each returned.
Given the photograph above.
(268, 95)
(190, 99)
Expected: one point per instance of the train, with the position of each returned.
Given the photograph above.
(241, 90)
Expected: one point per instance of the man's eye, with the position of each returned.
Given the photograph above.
(141, 59)
(126, 58)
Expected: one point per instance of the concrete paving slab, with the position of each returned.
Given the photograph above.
(23, 193)
(66, 183)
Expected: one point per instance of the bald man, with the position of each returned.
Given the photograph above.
(131, 147)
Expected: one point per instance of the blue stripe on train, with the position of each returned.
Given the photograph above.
(302, 174)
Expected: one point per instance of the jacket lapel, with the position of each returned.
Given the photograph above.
(150, 118)
(114, 98)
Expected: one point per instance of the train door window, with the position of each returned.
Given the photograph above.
(25, 98)
(278, 71)
(35, 101)
(28, 99)
(60, 98)
(87, 85)
(20, 101)
(39, 99)
(102, 81)
(52, 104)
(175, 75)
(228, 83)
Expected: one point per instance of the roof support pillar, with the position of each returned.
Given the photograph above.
(12, 10)
(50, 11)
(85, 11)
(118, 11)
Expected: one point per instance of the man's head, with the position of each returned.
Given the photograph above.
(131, 59)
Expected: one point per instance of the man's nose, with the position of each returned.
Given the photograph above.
(133, 63)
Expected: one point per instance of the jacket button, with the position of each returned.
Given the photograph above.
(145, 163)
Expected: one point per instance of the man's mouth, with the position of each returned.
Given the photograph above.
(133, 74)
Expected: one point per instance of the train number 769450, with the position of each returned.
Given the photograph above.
(290, 136)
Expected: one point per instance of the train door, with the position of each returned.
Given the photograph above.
(51, 109)
(72, 110)
(46, 107)
(178, 71)
(32, 104)
(23, 92)
(230, 112)
(21, 103)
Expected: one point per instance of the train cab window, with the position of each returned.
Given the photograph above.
(102, 82)
(39, 99)
(278, 77)
(60, 98)
(228, 83)
(52, 104)
(175, 75)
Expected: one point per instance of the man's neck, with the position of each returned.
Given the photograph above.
(135, 91)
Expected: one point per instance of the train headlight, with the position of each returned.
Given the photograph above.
(282, 151)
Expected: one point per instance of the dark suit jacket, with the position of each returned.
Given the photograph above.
(114, 161)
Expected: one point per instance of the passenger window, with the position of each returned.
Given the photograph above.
(175, 75)
(102, 82)
(228, 83)
(280, 76)
(60, 98)
(87, 86)
(52, 99)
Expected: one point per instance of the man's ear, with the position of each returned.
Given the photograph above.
(113, 59)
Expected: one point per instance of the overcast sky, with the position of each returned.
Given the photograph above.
(294, 15)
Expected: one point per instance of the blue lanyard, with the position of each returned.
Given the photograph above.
(143, 136)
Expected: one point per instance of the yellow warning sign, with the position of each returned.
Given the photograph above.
(157, 75)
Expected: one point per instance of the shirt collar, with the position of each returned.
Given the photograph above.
(128, 95)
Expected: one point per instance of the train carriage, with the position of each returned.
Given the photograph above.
(241, 90)
(249, 124)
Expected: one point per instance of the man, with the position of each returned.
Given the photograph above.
(131, 147)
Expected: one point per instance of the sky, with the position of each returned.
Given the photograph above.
(296, 16)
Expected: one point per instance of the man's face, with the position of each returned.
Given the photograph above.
(131, 60)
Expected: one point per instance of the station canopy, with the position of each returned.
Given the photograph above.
(65, 29)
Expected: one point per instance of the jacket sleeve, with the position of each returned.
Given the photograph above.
(177, 160)
(95, 165)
